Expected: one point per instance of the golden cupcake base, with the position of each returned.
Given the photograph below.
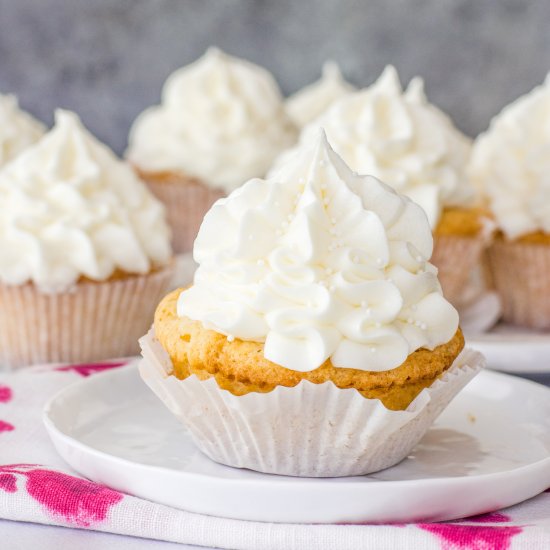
(241, 368)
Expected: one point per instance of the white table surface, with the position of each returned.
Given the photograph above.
(30, 536)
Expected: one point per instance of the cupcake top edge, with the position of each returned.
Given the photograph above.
(71, 209)
(398, 136)
(510, 164)
(221, 120)
(318, 262)
(314, 99)
(18, 129)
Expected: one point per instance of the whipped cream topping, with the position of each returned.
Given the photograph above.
(510, 164)
(70, 208)
(222, 120)
(318, 262)
(400, 138)
(18, 129)
(310, 102)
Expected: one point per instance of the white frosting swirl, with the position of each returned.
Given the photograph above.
(319, 262)
(70, 208)
(510, 164)
(221, 119)
(313, 100)
(18, 129)
(401, 139)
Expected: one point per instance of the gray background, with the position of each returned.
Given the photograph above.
(107, 59)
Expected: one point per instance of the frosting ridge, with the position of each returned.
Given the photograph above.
(18, 129)
(311, 101)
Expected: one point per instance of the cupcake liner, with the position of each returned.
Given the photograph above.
(455, 256)
(310, 430)
(90, 322)
(520, 273)
(187, 200)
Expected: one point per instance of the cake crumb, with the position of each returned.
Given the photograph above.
(471, 418)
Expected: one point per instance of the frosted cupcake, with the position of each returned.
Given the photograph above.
(85, 251)
(315, 318)
(412, 146)
(18, 129)
(221, 122)
(510, 165)
(312, 101)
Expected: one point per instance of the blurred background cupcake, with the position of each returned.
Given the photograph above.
(411, 145)
(85, 251)
(511, 167)
(18, 129)
(221, 121)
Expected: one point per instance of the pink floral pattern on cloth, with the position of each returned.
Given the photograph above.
(5, 394)
(86, 369)
(460, 536)
(76, 500)
(6, 426)
(37, 486)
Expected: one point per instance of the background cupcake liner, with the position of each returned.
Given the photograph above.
(187, 200)
(455, 257)
(90, 322)
(521, 277)
(308, 430)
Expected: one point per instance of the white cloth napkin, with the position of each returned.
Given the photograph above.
(37, 486)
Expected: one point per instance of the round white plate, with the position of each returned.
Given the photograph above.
(514, 349)
(488, 450)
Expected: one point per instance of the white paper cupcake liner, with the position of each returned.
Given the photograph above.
(91, 321)
(521, 277)
(456, 256)
(310, 430)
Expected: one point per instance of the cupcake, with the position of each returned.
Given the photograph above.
(85, 251)
(221, 122)
(412, 146)
(18, 129)
(510, 166)
(315, 340)
(312, 101)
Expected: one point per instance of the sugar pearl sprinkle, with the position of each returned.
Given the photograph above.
(230, 338)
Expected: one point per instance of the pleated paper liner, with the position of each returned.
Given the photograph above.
(455, 257)
(187, 200)
(521, 274)
(90, 322)
(309, 430)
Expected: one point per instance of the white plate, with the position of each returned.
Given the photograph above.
(488, 450)
(514, 349)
